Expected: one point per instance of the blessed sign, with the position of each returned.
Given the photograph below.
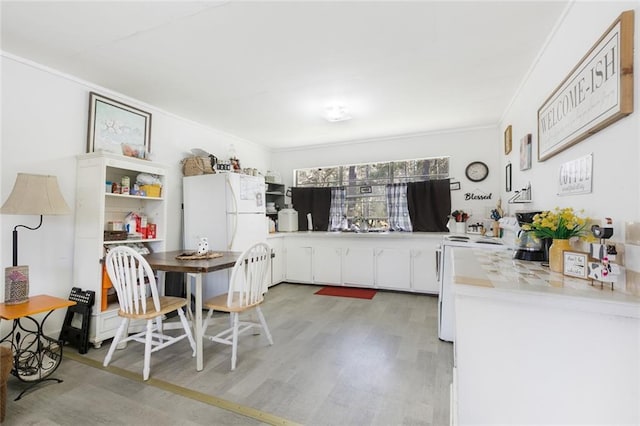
(597, 92)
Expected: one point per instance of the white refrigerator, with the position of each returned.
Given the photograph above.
(229, 210)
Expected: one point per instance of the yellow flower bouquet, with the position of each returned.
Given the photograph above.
(559, 224)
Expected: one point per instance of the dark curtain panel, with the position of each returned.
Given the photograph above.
(316, 201)
(429, 205)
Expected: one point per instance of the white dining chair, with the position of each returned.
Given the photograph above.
(135, 285)
(247, 286)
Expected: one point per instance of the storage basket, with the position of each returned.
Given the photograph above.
(115, 235)
(151, 190)
(194, 166)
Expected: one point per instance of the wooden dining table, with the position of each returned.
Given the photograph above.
(194, 269)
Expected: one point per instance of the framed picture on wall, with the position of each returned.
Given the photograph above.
(507, 178)
(525, 152)
(507, 140)
(117, 127)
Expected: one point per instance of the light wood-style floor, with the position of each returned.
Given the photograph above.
(335, 361)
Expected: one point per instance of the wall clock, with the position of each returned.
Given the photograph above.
(477, 171)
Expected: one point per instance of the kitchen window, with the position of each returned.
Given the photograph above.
(365, 183)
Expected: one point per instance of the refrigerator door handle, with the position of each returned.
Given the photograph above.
(234, 213)
(438, 260)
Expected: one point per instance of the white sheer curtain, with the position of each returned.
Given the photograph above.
(337, 212)
(399, 219)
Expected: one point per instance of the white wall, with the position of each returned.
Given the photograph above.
(616, 189)
(463, 146)
(44, 128)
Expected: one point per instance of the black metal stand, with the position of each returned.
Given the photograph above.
(15, 239)
(35, 355)
(78, 337)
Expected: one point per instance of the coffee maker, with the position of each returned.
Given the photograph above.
(528, 245)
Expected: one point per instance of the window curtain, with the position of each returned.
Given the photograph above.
(337, 212)
(397, 207)
(316, 201)
(429, 204)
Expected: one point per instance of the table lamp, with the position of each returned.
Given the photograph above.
(31, 194)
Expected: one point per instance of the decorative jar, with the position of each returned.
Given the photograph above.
(556, 256)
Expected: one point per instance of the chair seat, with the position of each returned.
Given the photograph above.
(219, 303)
(167, 304)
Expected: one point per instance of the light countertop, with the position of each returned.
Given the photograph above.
(495, 274)
(385, 235)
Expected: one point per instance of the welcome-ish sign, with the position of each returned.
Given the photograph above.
(596, 93)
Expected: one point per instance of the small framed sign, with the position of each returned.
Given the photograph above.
(525, 152)
(575, 264)
(507, 140)
(575, 176)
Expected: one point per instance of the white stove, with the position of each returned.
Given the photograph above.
(470, 240)
(446, 306)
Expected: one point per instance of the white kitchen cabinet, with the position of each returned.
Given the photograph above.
(423, 269)
(400, 261)
(298, 263)
(95, 207)
(327, 263)
(277, 261)
(393, 268)
(527, 355)
(358, 266)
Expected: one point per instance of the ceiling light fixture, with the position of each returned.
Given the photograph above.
(337, 113)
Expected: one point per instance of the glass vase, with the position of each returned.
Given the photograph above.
(556, 257)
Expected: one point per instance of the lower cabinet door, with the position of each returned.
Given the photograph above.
(423, 271)
(358, 266)
(393, 268)
(298, 264)
(327, 263)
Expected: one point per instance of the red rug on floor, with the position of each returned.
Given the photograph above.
(358, 293)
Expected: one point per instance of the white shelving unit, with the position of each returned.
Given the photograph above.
(95, 207)
(275, 194)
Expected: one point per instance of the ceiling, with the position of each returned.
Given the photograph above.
(266, 71)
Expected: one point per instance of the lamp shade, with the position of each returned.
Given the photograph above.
(35, 194)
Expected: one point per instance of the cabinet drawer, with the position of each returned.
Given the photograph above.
(108, 322)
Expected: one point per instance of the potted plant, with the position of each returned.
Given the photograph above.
(558, 225)
(460, 217)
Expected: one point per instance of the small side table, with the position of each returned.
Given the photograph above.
(35, 355)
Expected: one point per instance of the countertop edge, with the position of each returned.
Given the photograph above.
(385, 235)
(560, 301)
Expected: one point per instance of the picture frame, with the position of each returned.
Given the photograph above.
(507, 140)
(600, 101)
(575, 176)
(454, 186)
(525, 152)
(575, 264)
(118, 128)
(507, 178)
